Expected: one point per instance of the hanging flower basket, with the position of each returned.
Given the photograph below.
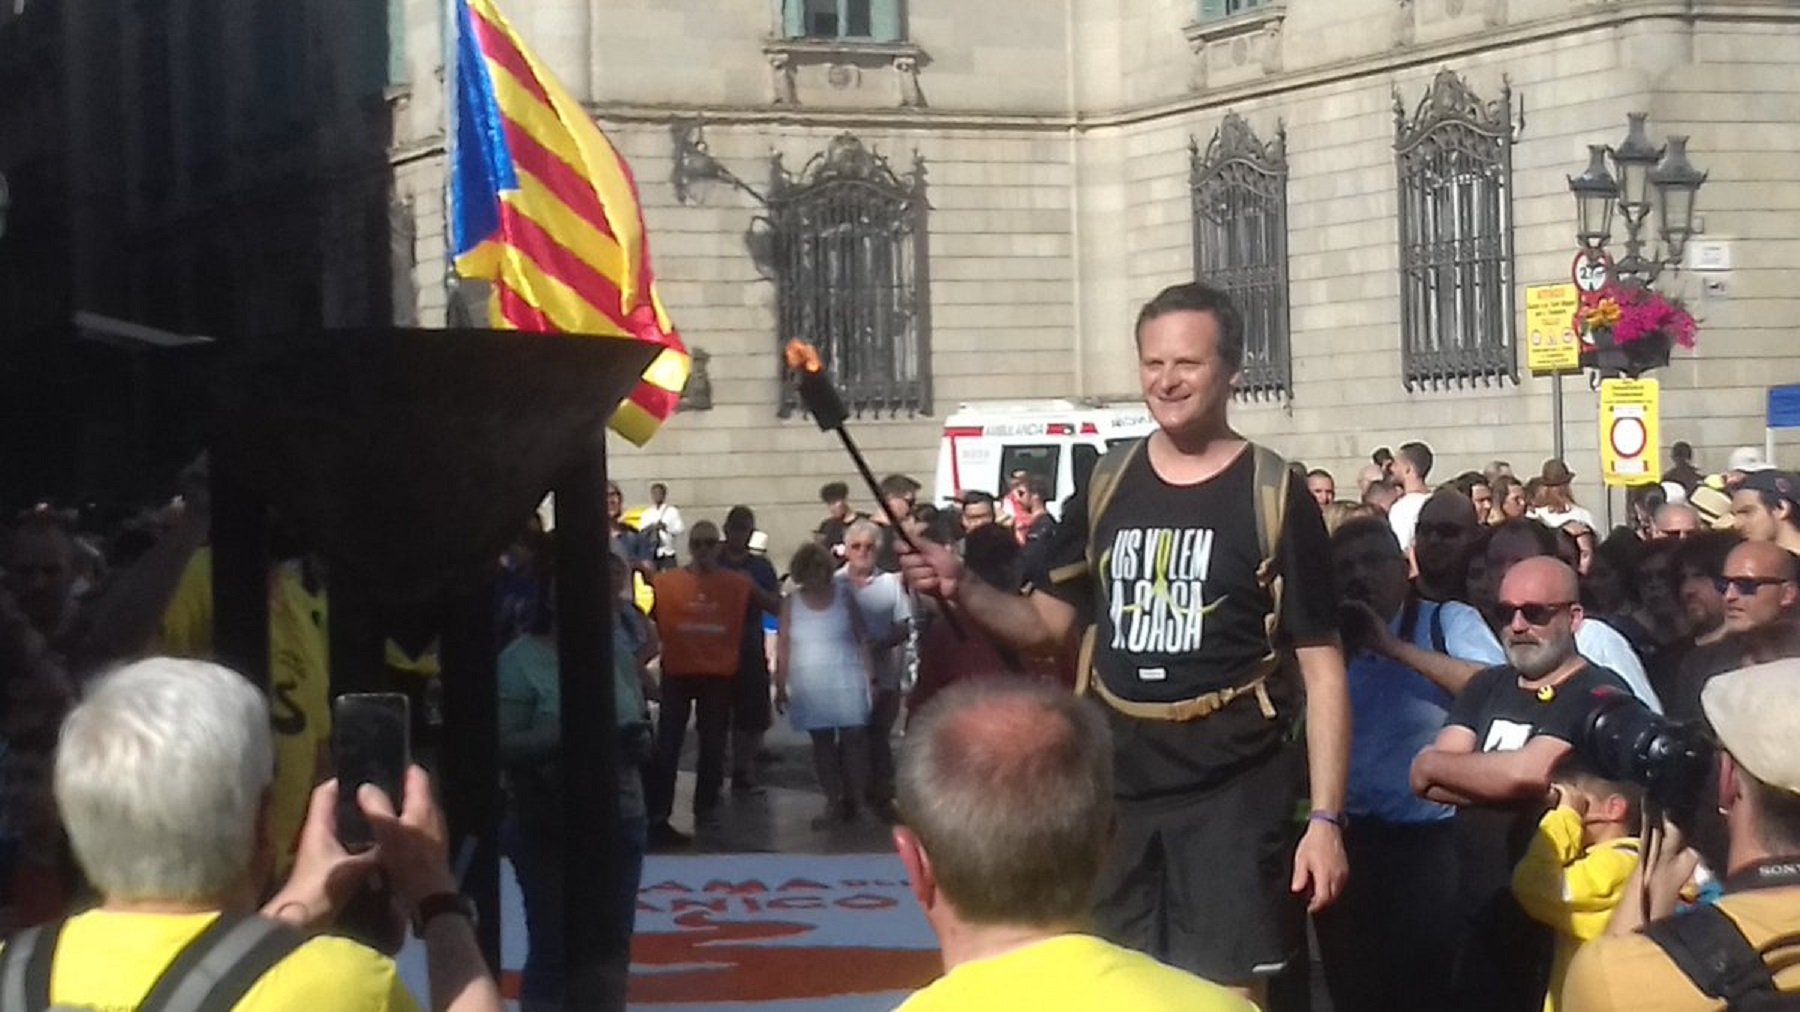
(1630, 331)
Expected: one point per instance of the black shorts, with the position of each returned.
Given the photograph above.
(1200, 881)
(751, 708)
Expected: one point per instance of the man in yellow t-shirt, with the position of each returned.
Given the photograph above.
(162, 776)
(1005, 795)
(299, 677)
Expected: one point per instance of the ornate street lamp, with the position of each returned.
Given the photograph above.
(1635, 157)
(696, 169)
(1595, 191)
(1643, 178)
(1677, 183)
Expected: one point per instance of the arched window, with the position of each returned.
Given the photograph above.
(1239, 189)
(848, 244)
(1456, 302)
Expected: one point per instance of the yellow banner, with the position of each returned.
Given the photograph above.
(1630, 424)
(1550, 342)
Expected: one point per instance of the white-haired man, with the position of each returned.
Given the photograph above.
(1006, 795)
(163, 779)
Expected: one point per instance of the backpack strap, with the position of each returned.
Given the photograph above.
(1707, 946)
(1272, 478)
(1102, 485)
(1103, 482)
(25, 968)
(1439, 642)
(222, 964)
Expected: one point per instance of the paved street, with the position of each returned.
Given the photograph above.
(778, 820)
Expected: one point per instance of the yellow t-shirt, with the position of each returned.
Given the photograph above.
(299, 677)
(1074, 972)
(109, 961)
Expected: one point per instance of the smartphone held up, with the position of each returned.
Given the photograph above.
(370, 744)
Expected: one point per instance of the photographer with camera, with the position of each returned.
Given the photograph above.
(1743, 953)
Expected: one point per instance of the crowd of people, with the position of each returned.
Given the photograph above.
(1146, 737)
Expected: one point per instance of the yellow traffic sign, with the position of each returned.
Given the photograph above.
(1630, 424)
(1550, 342)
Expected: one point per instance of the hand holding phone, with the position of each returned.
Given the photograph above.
(370, 744)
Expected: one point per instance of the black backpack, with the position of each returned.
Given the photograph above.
(1707, 946)
(211, 974)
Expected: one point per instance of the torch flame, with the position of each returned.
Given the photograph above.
(803, 357)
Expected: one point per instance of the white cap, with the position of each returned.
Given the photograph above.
(1752, 710)
(1673, 492)
(759, 542)
(1747, 459)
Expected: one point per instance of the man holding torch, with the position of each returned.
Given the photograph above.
(1201, 574)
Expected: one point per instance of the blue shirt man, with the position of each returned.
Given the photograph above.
(1391, 939)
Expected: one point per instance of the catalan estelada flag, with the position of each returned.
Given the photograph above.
(545, 210)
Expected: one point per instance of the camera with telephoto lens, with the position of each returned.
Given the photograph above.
(1624, 740)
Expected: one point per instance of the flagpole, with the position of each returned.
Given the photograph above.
(451, 29)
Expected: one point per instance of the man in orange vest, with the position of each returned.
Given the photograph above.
(700, 611)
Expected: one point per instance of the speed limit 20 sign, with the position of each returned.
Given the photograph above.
(1592, 271)
(1630, 431)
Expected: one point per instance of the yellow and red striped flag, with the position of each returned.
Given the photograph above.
(543, 208)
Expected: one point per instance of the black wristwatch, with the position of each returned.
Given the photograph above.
(438, 904)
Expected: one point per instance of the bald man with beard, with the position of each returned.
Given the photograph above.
(1506, 733)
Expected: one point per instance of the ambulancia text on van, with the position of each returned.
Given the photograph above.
(1060, 440)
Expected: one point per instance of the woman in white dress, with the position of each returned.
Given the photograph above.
(822, 680)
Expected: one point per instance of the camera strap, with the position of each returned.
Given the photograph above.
(1774, 873)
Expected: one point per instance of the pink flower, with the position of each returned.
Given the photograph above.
(1646, 314)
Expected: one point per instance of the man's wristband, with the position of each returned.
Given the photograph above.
(1320, 815)
(440, 904)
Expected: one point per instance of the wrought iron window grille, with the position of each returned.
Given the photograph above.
(1239, 190)
(844, 241)
(1454, 163)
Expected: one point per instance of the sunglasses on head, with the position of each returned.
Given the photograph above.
(1535, 614)
(1746, 586)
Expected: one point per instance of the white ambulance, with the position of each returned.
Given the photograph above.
(985, 442)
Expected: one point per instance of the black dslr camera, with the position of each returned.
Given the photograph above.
(1623, 740)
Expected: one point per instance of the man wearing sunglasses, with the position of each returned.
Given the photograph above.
(1506, 732)
(1758, 586)
(700, 613)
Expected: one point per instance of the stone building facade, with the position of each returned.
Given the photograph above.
(1058, 142)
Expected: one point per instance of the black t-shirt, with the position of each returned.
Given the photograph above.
(1179, 613)
(1698, 667)
(832, 531)
(762, 573)
(1504, 718)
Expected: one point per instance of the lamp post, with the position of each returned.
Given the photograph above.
(696, 169)
(1642, 178)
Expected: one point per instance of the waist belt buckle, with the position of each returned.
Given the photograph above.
(1199, 706)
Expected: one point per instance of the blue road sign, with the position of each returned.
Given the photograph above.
(1784, 407)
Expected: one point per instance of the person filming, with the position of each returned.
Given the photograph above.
(1742, 953)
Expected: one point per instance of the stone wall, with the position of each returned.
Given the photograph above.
(1058, 184)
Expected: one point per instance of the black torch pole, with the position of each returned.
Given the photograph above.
(828, 411)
